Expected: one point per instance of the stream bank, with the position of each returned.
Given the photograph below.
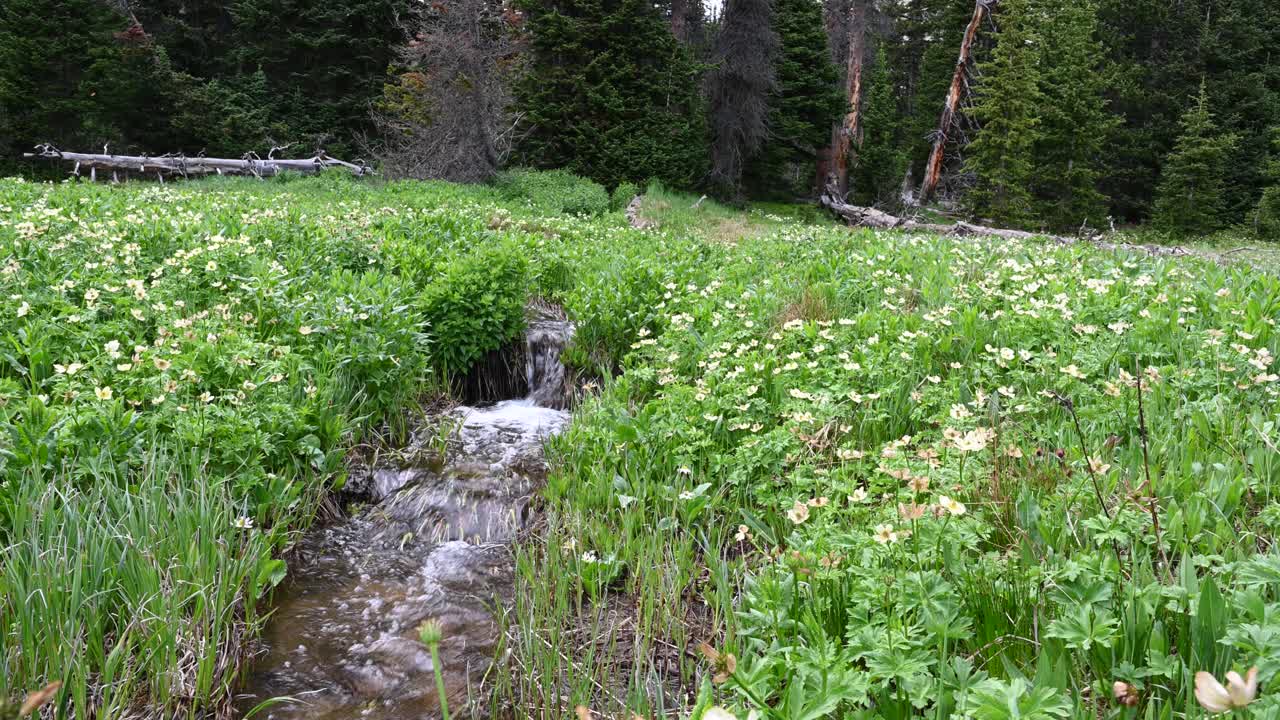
(433, 543)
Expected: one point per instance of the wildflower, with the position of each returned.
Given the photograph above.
(24, 308)
(918, 484)
(955, 507)
(243, 523)
(162, 364)
(102, 393)
(715, 712)
(858, 495)
(1124, 693)
(124, 367)
(430, 632)
(157, 400)
(725, 664)
(798, 513)
(305, 330)
(71, 369)
(1238, 693)
(1097, 466)
(973, 441)
(885, 535)
(1013, 451)
(744, 533)
(913, 511)
(1073, 371)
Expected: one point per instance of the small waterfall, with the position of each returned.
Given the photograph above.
(431, 545)
(545, 339)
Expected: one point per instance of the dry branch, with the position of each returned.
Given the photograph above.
(183, 166)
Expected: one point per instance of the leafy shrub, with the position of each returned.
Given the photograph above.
(623, 194)
(554, 191)
(1269, 214)
(475, 305)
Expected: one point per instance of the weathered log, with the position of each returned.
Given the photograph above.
(933, 168)
(183, 166)
(860, 216)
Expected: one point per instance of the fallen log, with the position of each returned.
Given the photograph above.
(860, 216)
(182, 166)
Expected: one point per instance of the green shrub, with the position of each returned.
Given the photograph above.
(554, 191)
(623, 194)
(475, 305)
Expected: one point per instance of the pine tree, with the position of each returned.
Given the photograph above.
(1074, 119)
(609, 94)
(880, 161)
(1008, 107)
(739, 88)
(1267, 214)
(804, 104)
(1189, 199)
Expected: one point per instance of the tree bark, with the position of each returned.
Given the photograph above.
(181, 166)
(849, 135)
(680, 19)
(933, 168)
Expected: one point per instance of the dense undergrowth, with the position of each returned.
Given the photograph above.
(183, 368)
(891, 475)
(905, 476)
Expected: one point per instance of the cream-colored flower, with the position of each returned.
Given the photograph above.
(716, 712)
(885, 535)
(1073, 371)
(102, 393)
(798, 512)
(1238, 692)
(951, 505)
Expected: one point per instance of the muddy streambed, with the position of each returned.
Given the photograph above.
(434, 543)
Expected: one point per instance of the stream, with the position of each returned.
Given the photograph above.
(432, 544)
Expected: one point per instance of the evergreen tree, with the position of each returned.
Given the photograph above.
(72, 73)
(803, 105)
(1074, 119)
(1008, 106)
(1189, 199)
(609, 94)
(739, 87)
(880, 162)
(1267, 214)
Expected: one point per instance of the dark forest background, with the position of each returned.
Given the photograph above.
(1074, 112)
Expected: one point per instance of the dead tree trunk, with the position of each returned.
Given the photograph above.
(933, 168)
(860, 216)
(849, 135)
(182, 166)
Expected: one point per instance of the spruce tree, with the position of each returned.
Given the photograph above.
(609, 94)
(1189, 199)
(880, 162)
(1008, 106)
(1074, 118)
(1267, 214)
(739, 88)
(802, 107)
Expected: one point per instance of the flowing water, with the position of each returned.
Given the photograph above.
(342, 642)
